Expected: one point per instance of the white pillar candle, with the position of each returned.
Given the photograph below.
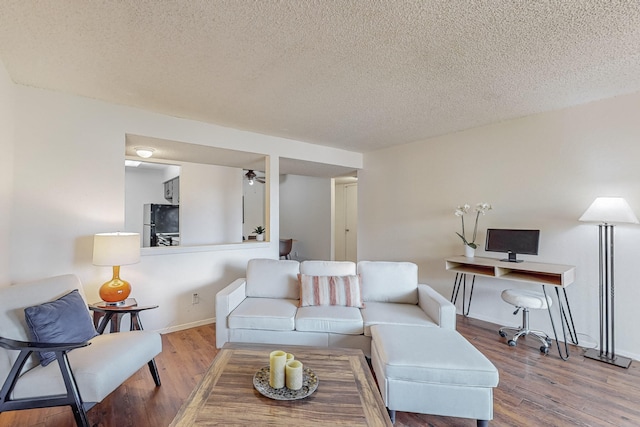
(294, 375)
(277, 361)
(290, 357)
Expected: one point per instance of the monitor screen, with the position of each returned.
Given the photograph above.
(512, 242)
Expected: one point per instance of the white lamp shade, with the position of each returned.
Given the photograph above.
(116, 248)
(609, 210)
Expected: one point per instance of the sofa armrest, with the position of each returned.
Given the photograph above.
(226, 301)
(437, 307)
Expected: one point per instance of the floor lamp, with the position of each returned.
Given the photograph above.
(607, 211)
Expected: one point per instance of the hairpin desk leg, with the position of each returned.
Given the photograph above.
(565, 322)
(461, 280)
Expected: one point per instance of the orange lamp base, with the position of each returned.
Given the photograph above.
(115, 290)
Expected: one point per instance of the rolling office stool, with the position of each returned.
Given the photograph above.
(524, 300)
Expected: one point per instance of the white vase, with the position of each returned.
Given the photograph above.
(260, 237)
(469, 252)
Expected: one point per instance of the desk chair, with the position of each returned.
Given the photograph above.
(525, 300)
(285, 248)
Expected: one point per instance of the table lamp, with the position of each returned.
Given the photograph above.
(606, 211)
(116, 249)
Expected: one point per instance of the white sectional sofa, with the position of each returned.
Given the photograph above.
(422, 363)
(264, 306)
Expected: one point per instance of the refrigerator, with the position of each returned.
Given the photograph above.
(161, 225)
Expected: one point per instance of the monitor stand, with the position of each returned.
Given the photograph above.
(512, 258)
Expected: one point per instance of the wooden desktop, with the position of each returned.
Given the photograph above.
(533, 272)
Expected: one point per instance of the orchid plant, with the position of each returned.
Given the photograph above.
(461, 211)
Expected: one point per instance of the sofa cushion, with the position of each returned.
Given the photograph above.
(328, 268)
(329, 318)
(386, 313)
(273, 314)
(330, 290)
(272, 278)
(389, 281)
(64, 320)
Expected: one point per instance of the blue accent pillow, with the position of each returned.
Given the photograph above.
(65, 320)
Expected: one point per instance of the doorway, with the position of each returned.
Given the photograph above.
(346, 220)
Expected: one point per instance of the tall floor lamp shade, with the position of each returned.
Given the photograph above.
(607, 211)
(114, 250)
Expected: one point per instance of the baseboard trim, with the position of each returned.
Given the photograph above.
(187, 326)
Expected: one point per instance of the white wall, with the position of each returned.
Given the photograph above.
(210, 204)
(541, 171)
(305, 215)
(68, 184)
(6, 169)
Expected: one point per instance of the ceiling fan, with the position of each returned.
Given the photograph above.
(252, 177)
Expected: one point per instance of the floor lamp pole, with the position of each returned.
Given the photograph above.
(607, 351)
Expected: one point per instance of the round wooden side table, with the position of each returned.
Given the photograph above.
(104, 313)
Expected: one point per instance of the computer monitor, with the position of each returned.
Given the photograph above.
(513, 242)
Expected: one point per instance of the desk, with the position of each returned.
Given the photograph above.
(556, 275)
(104, 313)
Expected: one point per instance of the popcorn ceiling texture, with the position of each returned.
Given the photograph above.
(356, 74)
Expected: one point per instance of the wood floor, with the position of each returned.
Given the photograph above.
(534, 389)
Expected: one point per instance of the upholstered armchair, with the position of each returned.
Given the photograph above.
(51, 355)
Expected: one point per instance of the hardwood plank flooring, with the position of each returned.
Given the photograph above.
(534, 390)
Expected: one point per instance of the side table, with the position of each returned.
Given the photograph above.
(104, 313)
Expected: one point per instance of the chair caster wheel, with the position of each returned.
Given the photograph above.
(502, 334)
(512, 343)
(548, 340)
(544, 350)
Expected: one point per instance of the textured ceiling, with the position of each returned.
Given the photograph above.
(355, 74)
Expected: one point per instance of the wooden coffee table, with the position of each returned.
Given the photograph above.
(347, 394)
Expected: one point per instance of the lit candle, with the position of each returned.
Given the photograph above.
(277, 361)
(294, 375)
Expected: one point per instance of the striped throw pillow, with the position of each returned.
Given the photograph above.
(330, 290)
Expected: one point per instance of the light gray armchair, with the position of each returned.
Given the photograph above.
(85, 371)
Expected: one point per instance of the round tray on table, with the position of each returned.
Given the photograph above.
(261, 383)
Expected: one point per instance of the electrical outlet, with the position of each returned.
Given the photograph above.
(195, 299)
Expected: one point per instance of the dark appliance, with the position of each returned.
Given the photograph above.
(161, 225)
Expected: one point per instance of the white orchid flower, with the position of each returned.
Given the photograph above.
(461, 210)
(480, 208)
(483, 208)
